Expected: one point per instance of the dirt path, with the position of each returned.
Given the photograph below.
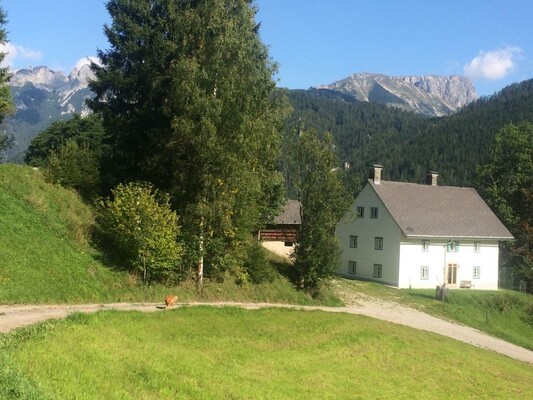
(12, 317)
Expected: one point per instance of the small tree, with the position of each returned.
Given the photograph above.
(507, 185)
(324, 198)
(144, 229)
(74, 166)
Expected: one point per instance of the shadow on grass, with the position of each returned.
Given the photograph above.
(428, 296)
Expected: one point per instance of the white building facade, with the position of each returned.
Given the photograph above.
(420, 236)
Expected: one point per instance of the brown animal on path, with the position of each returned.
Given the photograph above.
(170, 300)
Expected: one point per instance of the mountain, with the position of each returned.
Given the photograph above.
(408, 144)
(432, 96)
(43, 96)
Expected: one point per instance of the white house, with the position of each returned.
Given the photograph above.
(419, 236)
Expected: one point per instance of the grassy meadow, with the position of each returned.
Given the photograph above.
(230, 353)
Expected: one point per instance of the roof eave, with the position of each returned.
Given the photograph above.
(459, 237)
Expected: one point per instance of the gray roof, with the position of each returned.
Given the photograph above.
(439, 211)
(290, 214)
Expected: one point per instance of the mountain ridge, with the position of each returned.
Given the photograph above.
(430, 95)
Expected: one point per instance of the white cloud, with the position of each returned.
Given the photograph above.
(15, 53)
(86, 61)
(492, 65)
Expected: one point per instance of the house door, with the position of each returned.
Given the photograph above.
(451, 274)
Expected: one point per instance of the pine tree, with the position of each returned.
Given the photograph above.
(189, 103)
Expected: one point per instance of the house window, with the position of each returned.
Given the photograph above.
(477, 247)
(477, 272)
(352, 267)
(374, 212)
(289, 244)
(360, 212)
(353, 241)
(425, 245)
(378, 243)
(377, 270)
(424, 272)
(453, 247)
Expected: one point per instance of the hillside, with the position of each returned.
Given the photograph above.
(46, 256)
(43, 242)
(408, 145)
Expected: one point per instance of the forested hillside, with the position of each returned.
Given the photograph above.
(406, 144)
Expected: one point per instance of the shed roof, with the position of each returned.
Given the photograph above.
(439, 211)
(290, 214)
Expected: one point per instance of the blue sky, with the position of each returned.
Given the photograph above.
(320, 41)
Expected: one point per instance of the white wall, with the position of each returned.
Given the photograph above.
(279, 248)
(366, 229)
(437, 258)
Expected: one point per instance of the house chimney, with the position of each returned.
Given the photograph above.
(431, 178)
(375, 173)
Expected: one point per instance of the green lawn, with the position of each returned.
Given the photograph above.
(230, 353)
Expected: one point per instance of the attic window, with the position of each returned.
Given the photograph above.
(453, 247)
(374, 212)
(425, 245)
(476, 247)
(360, 212)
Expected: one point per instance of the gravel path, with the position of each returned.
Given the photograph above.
(13, 317)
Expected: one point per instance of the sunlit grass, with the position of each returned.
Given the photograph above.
(229, 353)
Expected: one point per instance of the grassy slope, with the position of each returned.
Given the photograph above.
(45, 257)
(45, 254)
(208, 353)
(504, 314)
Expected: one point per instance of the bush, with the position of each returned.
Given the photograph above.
(139, 222)
(74, 166)
(258, 266)
(504, 302)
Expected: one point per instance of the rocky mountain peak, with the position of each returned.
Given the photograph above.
(428, 95)
(80, 77)
(44, 78)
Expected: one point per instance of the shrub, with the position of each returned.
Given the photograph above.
(139, 221)
(74, 166)
(257, 264)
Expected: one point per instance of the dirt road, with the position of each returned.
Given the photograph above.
(13, 317)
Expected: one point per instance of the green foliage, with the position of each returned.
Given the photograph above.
(74, 166)
(84, 131)
(189, 102)
(139, 221)
(324, 199)
(257, 264)
(507, 184)
(6, 101)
